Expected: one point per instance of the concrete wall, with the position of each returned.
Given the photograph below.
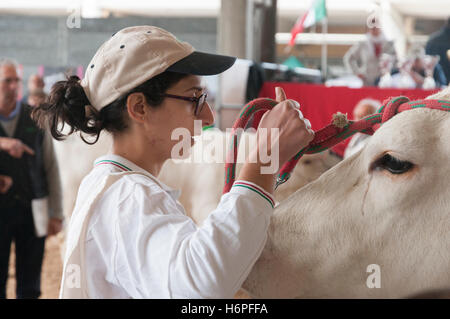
(34, 41)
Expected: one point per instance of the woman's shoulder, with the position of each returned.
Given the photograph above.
(144, 191)
(129, 191)
(132, 197)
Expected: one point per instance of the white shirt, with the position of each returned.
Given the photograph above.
(140, 243)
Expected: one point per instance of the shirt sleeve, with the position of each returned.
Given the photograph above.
(185, 260)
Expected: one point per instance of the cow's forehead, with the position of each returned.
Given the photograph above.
(413, 133)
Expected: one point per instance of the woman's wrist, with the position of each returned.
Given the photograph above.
(252, 172)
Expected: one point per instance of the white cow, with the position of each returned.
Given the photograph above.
(200, 182)
(75, 159)
(380, 218)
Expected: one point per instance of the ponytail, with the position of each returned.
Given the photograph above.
(68, 104)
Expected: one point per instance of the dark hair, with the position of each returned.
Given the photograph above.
(68, 104)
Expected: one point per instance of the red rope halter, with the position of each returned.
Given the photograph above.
(324, 138)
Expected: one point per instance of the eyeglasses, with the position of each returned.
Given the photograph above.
(8, 81)
(199, 101)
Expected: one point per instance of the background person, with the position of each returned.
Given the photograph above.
(439, 44)
(35, 84)
(15, 148)
(362, 109)
(5, 183)
(36, 97)
(35, 181)
(363, 58)
(418, 72)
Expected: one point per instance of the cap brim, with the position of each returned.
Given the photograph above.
(200, 63)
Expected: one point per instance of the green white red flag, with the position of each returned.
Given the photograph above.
(316, 13)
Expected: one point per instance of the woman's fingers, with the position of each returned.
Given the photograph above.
(280, 95)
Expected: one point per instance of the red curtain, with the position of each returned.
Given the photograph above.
(318, 103)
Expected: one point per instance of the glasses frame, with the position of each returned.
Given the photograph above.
(8, 81)
(198, 108)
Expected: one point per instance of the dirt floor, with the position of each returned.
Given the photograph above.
(51, 270)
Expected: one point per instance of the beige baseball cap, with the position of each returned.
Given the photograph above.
(136, 54)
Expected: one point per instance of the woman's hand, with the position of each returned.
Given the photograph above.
(292, 133)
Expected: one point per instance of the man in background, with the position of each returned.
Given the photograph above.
(362, 109)
(31, 206)
(35, 84)
(363, 58)
(15, 148)
(36, 97)
(439, 44)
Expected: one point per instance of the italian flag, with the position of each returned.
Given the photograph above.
(316, 13)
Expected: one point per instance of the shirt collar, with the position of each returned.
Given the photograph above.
(126, 165)
(13, 114)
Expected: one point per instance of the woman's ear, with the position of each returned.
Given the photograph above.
(136, 107)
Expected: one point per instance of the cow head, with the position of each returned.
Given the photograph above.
(379, 218)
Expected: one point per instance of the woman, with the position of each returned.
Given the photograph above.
(128, 236)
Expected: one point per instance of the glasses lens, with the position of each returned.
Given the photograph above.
(200, 104)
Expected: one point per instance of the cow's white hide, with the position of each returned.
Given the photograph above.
(323, 237)
(75, 160)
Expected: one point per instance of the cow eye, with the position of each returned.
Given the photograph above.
(392, 164)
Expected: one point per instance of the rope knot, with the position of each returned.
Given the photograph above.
(390, 107)
(340, 120)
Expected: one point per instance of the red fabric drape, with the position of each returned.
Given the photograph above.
(318, 103)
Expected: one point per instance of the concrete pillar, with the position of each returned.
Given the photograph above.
(246, 29)
(231, 28)
(261, 28)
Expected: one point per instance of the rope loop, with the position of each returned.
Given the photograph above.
(326, 137)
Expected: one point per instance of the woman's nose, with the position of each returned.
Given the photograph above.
(207, 116)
